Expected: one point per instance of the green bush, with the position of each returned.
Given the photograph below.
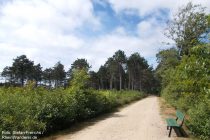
(199, 122)
(38, 109)
(188, 89)
(18, 110)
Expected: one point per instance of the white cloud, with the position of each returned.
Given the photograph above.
(45, 30)
(145, 7)
(105, 46)
(53, 14)
(145, 28)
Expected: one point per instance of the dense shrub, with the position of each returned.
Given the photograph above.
(38, 109)
(199, 122)
(188, 89)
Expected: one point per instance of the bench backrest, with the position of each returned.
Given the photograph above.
(180, 116)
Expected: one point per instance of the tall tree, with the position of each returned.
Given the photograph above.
(120, 59)
(111, 66)
(94, 80)
(59, 74)
(8, 74)
(48, 76)
(103, 77)
(167, 61)
(137, 67)
(80, 80)
(187, 27)
(22, 68)
(78, 65)
(37, 73)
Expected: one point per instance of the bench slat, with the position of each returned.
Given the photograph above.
(180, 115)
(172, 122)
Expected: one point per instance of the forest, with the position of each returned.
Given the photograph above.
(118, 72)
(46, 100)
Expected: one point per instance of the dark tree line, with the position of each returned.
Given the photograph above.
(23, 70)
(119, 72)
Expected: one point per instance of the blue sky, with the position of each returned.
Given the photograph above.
(48, 31)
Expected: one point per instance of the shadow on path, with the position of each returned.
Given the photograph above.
(85, 124)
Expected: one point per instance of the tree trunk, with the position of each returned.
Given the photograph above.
(102, 83)
(36, 83)
(140, 84)
(120, 81)
(132, 86)
(111, 80)
(110, 84)
(22, 82)
(114, 84)
(50, 83)
(129, 80)
(56, 83)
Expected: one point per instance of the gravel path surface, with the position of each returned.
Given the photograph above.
(138, 121)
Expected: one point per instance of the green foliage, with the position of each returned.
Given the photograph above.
(187, 27)
(78, 64)
(21, 70)
(58, 74)
(208, 19)
(120, 59)
(199, 122)
(168, 60)
(47, 76)
(188, 89)
(140, 75)
(94, 80)
(34, 108)
(117, 98)
(190, 78)
(80, 80)
(185, 84)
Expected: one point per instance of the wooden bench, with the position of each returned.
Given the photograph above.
(175, 123)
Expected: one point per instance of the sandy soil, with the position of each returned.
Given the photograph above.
(138, 121)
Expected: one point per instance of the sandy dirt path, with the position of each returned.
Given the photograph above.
(138, 121)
